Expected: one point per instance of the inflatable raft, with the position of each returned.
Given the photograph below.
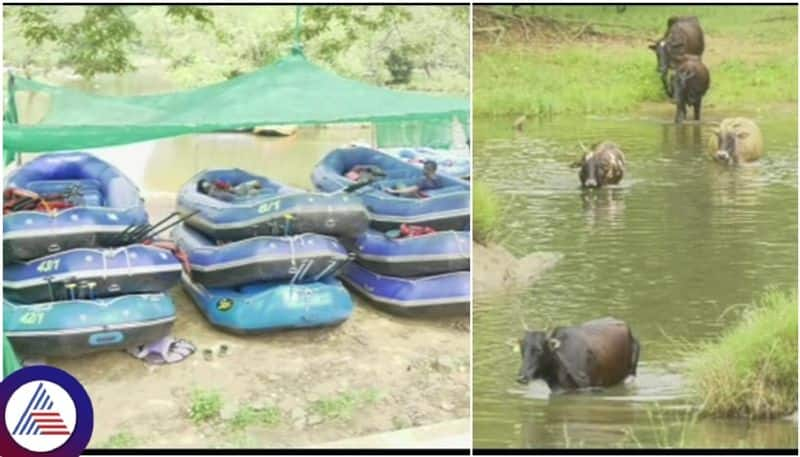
(452, 162)
(85, 202)
(242, 205)
(262, 307)
(442, 294)
(446, 208)
(75, 327)
(86, 273)
(423, 255)
(307, 257)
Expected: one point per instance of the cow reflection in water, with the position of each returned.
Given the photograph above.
(606, 207)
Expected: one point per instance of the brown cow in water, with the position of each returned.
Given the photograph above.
(689, 84)
(737, 140)
(598, 353)
(684, 36)
(603, 164)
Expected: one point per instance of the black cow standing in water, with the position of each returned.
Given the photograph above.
(598, 353)
(689, 84)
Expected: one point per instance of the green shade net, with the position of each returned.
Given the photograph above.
(10, 361)
(292, 91)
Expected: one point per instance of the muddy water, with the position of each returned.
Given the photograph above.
(669, 250)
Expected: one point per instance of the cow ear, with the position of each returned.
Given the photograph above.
(577, 163)
(553, 344)
(653, 46)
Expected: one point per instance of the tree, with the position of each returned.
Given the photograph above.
(399, 66)
(100, 41)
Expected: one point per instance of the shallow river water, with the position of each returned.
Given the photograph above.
(676, 244)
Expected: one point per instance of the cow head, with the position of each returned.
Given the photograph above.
(536, 349)
(726, 147)
(666, 51)
(592, 170)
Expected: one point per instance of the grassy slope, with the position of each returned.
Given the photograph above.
(751, 53)
(752, 370)
(485, 211)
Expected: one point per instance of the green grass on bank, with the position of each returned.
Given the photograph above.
(752, 370)
(486, 212)
(751, 53)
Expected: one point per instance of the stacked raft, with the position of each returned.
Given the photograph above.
(266, 258)
(71, 285)
(415, 258)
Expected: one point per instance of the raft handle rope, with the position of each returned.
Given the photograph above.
(351, 256)
(330, 266)
(138, 233)
(49, 280)
(301, 271)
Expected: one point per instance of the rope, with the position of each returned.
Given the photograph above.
(297, 47)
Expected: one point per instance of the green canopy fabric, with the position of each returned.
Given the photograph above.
(10, 361)
(291, 91)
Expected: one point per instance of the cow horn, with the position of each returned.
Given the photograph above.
(553, 344)
(518, 310)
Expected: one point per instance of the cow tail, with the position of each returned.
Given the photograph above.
(634, 355)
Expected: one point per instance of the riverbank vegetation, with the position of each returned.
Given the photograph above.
(752, 370)
(486, 212)
(546, 60)
(199, 45)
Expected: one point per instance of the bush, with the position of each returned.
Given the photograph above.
(206, 406)
(485, 212)
(752, 370)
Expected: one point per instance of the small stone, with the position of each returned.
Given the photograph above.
(444, 363)
(273, 377)
(298, 414)
(401, 422)
(447, 406)
(261, 404)
(314, 419)
(228, 411)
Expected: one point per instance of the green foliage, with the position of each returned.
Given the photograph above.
(486, 210)
(121, 440)
(206, 406)
(204, 45)
(399, 66)
(752, 370)
(350, 21)
(99, 42)
(249, 416)
(343, 406)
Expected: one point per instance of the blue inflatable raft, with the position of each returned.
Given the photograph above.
(256, 206)
(75, 327)
(104, 203)
(307, 257)
(446, 208)
(452, 162)
(87, 273)
(262, 307)
(442, 294)
(424, 255)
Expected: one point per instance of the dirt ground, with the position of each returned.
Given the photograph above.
(373, 373)
(497, 271)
